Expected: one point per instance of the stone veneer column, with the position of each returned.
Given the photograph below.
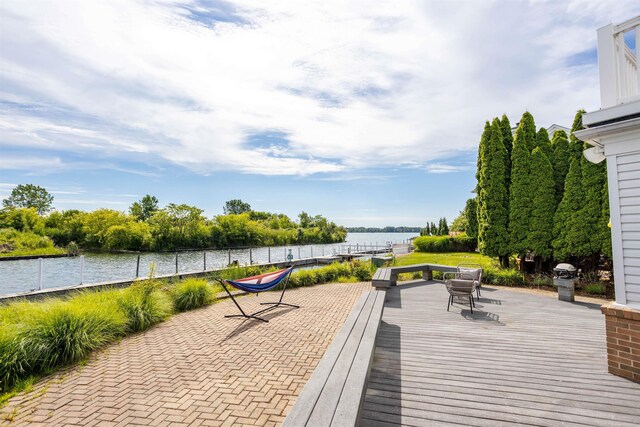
(623, 340)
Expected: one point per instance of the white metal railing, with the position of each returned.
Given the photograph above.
(618, 63)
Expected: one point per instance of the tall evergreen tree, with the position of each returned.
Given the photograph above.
(521, 191)
(576, 145)
(528, 126)
(570, 204)
(542, 141)
(482, 148)
(433, 230)
(542, 208)
(561, 160)
(589, 234)
(471, 211)
(585, 237)
(493, 198)
(443, 227)
(507, 140)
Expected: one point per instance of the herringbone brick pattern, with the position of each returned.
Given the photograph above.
(198, 368)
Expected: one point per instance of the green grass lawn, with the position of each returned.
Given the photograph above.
(447, 258)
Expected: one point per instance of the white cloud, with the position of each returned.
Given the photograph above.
(30, 163)
(445, 168)
(352, 85)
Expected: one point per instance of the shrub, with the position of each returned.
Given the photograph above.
(503, 277)
(441, 244)
(61, 332)
(595, 288)
(144, 305)
(306, 277)
(192, 293)
(361, 271)
(542, 280)
(13, 361)
(18, 243)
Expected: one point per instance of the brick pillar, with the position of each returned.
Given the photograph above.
(623, 340)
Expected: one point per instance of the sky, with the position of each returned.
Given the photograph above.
(368, 113)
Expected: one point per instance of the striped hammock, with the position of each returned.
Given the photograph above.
(261, 282)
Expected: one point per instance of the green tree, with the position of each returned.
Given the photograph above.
(23, 219)
(97, 223)
(570, 204)
(236, 207)
(304, 219)
(460, 223)
(542, 141)
(521, 191)
(29, 196)
(528, 126)
(482, 148)
(144, 208)
(585, 236)
(492, 198)
(542, 208)
(507, 140)
(443, 227)
(576, 145)
(561, 160)
(588, 234)
(471, 212)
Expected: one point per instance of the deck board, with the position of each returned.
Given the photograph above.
(519, 358)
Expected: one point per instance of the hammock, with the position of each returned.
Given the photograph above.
(260, 283)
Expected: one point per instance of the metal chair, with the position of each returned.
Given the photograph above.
(460, 284)
(475, 271)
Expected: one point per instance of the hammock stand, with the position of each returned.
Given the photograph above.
(260, 283)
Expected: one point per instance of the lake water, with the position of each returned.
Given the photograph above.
(22, 275)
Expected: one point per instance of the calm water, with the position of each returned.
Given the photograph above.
(22, 276)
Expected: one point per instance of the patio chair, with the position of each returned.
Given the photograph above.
(256, 284)
(460, 284)
(475, 270)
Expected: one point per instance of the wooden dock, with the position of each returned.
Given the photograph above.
(518, 359)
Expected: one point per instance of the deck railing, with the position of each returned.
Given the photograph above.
(618, 63)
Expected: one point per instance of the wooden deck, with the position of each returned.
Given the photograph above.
(518, 359)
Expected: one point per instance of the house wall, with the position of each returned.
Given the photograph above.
(623, 168)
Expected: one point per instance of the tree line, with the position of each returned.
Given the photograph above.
(442, 229)
(538, 197)
(148, 227)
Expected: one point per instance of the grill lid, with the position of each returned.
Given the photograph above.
(566, 267)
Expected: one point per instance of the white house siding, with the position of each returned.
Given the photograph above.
(628, 174)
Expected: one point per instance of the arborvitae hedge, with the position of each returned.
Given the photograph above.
(471, 212)
(493, 198)
(561, 160)
(542, 141)
(542, 205)
(482, 147)
(521, 191)
(507, 140)
(528, 126)
(570, 204)
(576, 145)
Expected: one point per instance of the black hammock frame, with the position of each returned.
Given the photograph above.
(249, 289)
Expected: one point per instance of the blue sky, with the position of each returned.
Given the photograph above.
(367, 113)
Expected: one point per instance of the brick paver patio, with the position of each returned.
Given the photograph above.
(198, 368)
